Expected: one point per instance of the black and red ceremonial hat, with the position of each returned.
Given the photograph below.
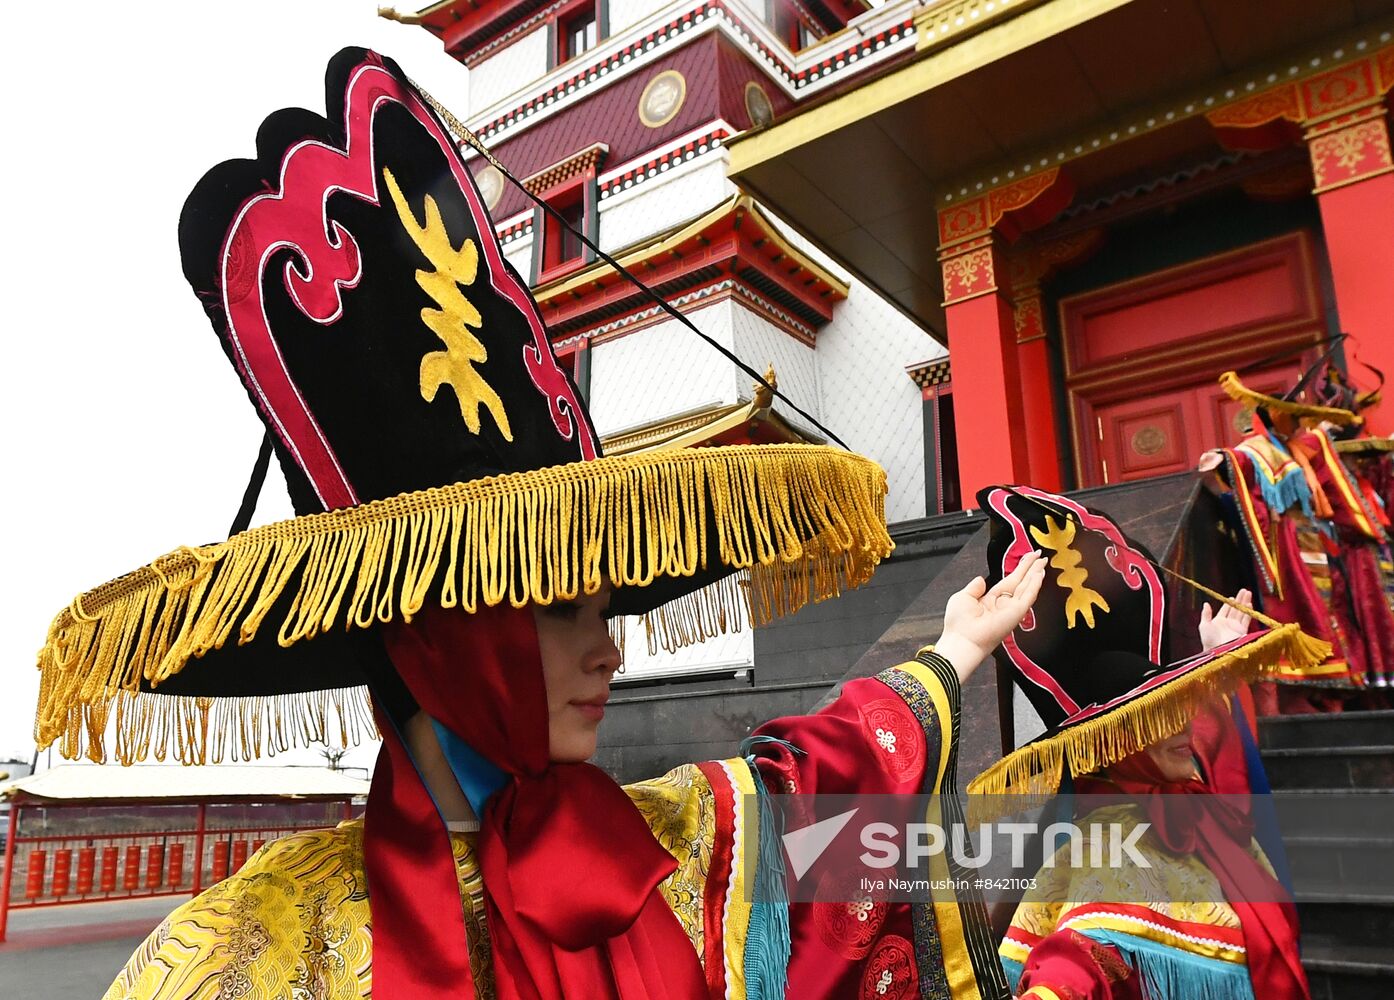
(1093, 654)
(434, 452)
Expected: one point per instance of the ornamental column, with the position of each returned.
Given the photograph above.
(1354, 177)
(992, 421)
(1343, 120)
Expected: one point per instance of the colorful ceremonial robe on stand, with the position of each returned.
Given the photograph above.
(295, 920)
(1358, 598)
(1274, 503)
(1205, 918)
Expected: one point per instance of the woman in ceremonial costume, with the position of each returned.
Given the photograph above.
(1348, 465)
(1277, 500)
(1205, 916)
(460, 545)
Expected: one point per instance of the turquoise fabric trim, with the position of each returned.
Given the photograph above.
(1013, 969)
(477, 777)
(751, 742)
(1289, 491)
(767, 942)
(1171, 974)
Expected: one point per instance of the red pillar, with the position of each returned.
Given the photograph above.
(992, 446)
(5, 883)
(198, 848)
(1354, 175)
(1037, 389)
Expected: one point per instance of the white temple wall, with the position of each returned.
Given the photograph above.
(519, 253)
(514, 66)
(731, 650)
(680, 194)
(626, 13)
(868, 399)
(661, 371)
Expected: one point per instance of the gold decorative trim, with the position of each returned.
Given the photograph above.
(796, 523)
(1241, 393)
(669, 77)
(1364, 445)
(1035, 770)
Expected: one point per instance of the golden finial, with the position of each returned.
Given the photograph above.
(392, 14)
(764, 394)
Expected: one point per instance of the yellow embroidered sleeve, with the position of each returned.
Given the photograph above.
(293, 924)
(680, 811)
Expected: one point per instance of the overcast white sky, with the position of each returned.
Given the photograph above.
(127, 430)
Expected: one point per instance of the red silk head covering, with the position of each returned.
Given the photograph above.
(607, 934)
(1210, 817)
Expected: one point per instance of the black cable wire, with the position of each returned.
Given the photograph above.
(455, 125)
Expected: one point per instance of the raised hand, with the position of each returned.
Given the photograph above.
(976, 619)
(1218, 628)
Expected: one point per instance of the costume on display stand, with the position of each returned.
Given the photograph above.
(1274, 494)
(1093, 659)
(1362, 487)
(447, 481)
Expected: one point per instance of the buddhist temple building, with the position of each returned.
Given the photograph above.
(1098, 206)
(978, 240)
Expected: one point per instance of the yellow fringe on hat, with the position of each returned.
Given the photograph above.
(799, 523)
(1239, 392)
(1033, 773)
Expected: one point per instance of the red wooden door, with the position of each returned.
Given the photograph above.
(1166, 431)
(1142, 357)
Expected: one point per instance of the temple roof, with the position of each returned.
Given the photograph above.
(736, 236)
(755, 422)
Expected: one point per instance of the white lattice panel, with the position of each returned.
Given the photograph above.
(868, 399)
(661, 371)
(759, 343)
(662, 203)
(514, 66)
(735, 650)
(624, 13)
(519, 253)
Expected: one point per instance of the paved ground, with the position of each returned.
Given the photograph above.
(74, 952)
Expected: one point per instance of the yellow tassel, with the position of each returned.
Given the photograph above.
(796, 523)
(1032, 773)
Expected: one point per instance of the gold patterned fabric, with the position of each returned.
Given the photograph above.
(294, 923)
(1175, 903)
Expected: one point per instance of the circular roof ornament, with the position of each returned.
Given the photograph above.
(758, 107)
(490, 184)
(662, 98)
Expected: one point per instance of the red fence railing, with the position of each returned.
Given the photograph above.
(54, 869)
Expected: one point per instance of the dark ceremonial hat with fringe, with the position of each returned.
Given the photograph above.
(1293, 407)
(434, 451)
(1092, 655)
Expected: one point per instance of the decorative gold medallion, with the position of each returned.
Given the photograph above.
(757, 105)
(1149, 440)
(662, 98)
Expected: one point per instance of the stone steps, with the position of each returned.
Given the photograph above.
(1343, 765)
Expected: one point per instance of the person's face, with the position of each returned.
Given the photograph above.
(578, 660)
(1173, 756)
